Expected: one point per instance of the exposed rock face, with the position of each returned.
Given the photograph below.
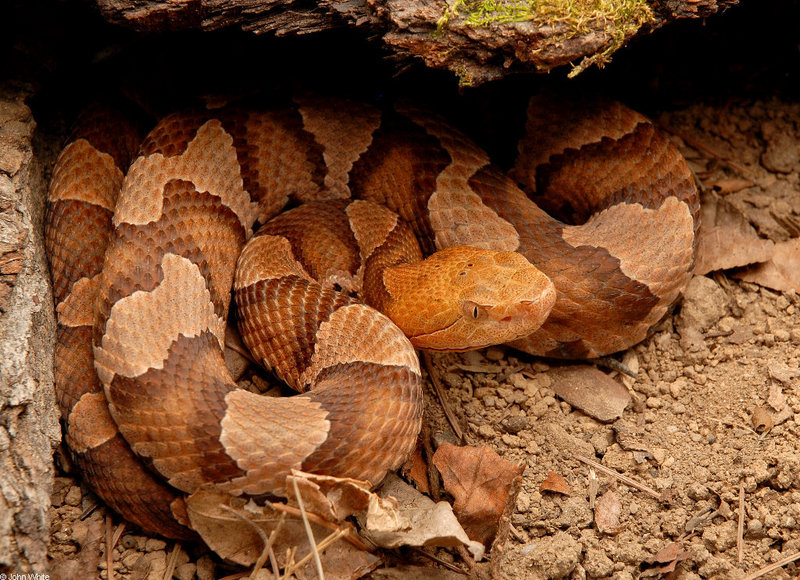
(28, 418)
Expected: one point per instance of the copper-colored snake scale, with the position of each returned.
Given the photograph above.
(143, 242)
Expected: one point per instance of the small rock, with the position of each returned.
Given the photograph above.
(556, 556)
(157, 565)
(73, 496)
(185, 571)
(494, 354)
(720, 537)
(516, 424)
(704, 304)
(782, 153)
(131, 558)
(153, 545)
(133, 542)
(205, 568)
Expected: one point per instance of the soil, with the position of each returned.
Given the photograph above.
(713, 427)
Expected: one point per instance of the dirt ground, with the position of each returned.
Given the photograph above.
(712, 425)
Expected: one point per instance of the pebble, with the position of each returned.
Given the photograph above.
(130, 558)
(73, 496)
(704, 303)
(494, 354)
(158, 565)
(205, 568)
(185, 571)
(781, 154)
(486, 431)
(516, 424)
(153, 545)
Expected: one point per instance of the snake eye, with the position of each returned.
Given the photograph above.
(473, 310)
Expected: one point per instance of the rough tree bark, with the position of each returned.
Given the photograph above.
(479, 40)
(29, 426)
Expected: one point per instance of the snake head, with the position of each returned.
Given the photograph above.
(463, 298)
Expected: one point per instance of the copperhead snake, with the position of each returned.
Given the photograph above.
(143, 266)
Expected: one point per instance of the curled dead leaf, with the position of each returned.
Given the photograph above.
(416, 469)
(401, 516)
(665, 561)
(726, 239)
(332, 498)
(555, 483)
(481, 483)
(780, 272)
(729, 185)
(236, 530)
(762, 419)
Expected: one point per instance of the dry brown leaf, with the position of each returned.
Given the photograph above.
(762, 420)
(481, 483)
(555, 483)
(590, 390)
(416, 469)
(665, 561)
(781, 272)
(331, 498)
(726, 239)
(606, 513)
(783, 373)
(399, 515)
(776, 399)
(228, 525)
(728, 185)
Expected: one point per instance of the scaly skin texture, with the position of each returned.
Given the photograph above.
(463, 298)
(155, 302)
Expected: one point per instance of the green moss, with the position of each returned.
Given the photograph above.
(618, 19)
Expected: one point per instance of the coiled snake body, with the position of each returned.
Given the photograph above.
(157, 414)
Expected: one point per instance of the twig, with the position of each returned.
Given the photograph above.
(439, 561)
(173, 559)
(740, 528)
(265, 541)
(89, 511)
(615, 365)
(290, 552)
(273, 561)
(109, 550)
(311, 541)
(442, 396)
(293, 511)
(268, 552)
(623, 478)
(466, 556)
(699, 145)
(773, 566)
(118, 534)
(327, 541)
